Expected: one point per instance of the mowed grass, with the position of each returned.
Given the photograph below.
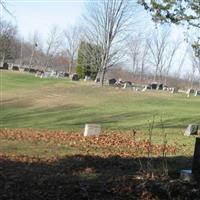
(27, 101)
(62, 104)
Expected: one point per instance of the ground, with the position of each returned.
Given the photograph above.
(43, 154)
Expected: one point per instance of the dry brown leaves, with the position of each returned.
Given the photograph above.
(108, 143)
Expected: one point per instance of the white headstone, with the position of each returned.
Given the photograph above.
(92, 130)
(192, 129)
(197, 93)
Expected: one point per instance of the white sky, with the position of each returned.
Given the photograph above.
(40, 15)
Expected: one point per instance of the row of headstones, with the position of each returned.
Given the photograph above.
(12, 67)
(192, 91)
(52, 73)
(40, 73)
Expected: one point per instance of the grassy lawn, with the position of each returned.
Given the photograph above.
(32, 102)
(61, 104)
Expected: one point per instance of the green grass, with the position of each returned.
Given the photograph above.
(32, 102)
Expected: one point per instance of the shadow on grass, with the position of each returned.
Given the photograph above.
(83, 177)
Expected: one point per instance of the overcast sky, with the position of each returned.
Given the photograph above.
(40, 15)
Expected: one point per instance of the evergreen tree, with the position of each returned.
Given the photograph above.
(89, 60)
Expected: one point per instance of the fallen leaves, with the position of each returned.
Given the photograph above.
(107, 144)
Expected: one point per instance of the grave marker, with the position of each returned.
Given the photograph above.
(92, 130)
(192, 129)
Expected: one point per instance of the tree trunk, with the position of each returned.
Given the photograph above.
(70, 66)
(3, 59)
(102, 77)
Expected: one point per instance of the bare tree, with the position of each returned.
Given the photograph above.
(180, 65)
(134, 46)
(107, 26)
(4, 7)
(144, 59)
(170, 57)
(157, 47)
(72, 40)
(34, 47)
(195, 66)
(53, 44)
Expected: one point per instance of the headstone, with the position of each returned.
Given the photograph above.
(92, 130)
(196, 159)
(26, 69)
(21, 69)
(112, 81)
(127, 85)
(137, 89)
(38, 74)
(15, 68)
(197, 93)
(165, 88)
(160, 87)
(147, 87)
(189, 91)
(174, 90)
(5, 66)
(60, 75)
(45, 75)
(66, 74)
(192, 129)
(87, 78)
(32, 70)
(53, 74)
(154, 86)
(74, 77)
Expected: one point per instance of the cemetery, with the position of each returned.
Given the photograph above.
(54, 130)
(100, 100)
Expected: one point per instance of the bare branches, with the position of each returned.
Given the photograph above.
(53, 44)
(72, 40)
(107, 27)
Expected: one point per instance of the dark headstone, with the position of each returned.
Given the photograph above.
(31, 70)
(192, 129)
(26, 69)
(112, 81)
(160, 87)
(5, 66)
(15, 68)
(154, 86)
(66, 74)
(74, 77)
(196, 159)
